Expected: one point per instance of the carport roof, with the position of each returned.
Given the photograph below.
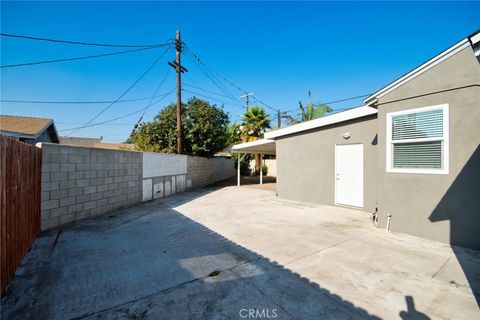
(264, 146)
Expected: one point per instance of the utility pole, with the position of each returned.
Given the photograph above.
(180, 69)
(247, 96)
(279, 119)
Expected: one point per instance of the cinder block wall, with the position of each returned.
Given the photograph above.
(204, 171)
(80, 182)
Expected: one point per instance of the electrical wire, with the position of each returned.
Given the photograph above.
(125, 92)
(210, 73)
(218, 85)
(75, 58)
(82, 43)
(196, 58)
(338, 101)
(205, 96)
(121, 117)
(149, 103)
(77, 102)
(208, 91)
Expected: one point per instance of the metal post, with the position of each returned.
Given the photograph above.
(238, 170)
(261, 171)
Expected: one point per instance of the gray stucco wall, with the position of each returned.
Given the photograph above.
(306, 162)
(80, 182)
(445, 208)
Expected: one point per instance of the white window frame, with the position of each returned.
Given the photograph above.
(444, 139)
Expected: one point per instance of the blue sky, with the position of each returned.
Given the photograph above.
(279, 51)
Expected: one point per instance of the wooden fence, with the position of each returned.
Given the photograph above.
(20, 182)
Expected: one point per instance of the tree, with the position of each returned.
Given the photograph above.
(234, 133)
(255, 122)
(310, 112)
(204, 130)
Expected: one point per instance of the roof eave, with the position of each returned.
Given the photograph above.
(464, 43)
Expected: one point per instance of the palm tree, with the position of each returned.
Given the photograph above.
(310, 112)
(255, 122)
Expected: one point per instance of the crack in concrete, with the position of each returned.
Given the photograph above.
(442, 266)
(264, 295)
(161, 291)
(326, 248)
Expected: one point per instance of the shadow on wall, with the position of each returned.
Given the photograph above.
(94, 268)
(461, 206)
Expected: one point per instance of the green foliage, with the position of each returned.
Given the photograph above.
(264, 169)
(234, 134)
(204, 130)
(310, 111)
(160, 135)
(255, 122)
(244, 162)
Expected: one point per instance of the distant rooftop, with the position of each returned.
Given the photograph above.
(29, 127)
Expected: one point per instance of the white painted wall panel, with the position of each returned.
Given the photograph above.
(147, 189)
(160, 164)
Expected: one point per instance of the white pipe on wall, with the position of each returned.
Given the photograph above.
(261, 171)
(238, 170)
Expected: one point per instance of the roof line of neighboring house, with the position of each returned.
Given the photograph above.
(472, 40)
(346, 115)
(20, 134)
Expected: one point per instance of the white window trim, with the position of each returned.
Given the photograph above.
(445, 139)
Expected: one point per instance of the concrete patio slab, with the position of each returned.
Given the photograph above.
(220, 253)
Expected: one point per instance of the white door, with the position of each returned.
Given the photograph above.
(349, 175)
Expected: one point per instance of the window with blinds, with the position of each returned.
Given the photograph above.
(417, 140)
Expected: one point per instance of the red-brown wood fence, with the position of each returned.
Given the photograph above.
(20, 183)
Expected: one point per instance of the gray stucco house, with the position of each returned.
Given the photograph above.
(412, 151)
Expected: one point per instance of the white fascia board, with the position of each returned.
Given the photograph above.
(475, 38)
(418, 71)
(324, 121)
(250, 144)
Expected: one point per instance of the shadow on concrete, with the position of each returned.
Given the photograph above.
(245, 181)
(461, 206)
(152, 262)
(411, 313)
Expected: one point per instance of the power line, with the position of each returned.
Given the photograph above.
(121, 117)
(77, 102)
(216, 82)
(125, 92)
(206, 96)
(149, 103)
(108, 124)
(226, 80)
(75, 58)
(82, 43)
(208, 91)
(338, 101)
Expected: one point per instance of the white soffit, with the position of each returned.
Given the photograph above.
(265, 146)
(323, 121)
(418, 71)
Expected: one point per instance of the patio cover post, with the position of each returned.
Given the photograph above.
(238, 170)
(261, 165)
